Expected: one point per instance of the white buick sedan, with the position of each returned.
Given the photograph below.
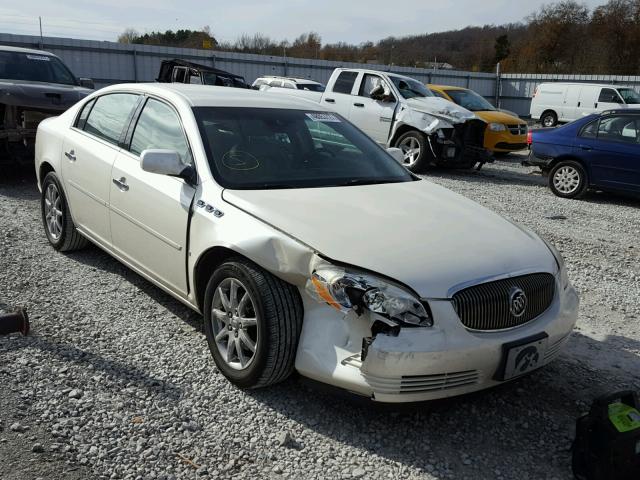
(304, 244)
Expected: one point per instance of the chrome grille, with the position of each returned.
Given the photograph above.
(488, 306)
(518, 129)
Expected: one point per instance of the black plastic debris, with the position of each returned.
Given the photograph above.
(607, 444)
(13, 322)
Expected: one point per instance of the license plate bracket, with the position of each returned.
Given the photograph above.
(522, 356)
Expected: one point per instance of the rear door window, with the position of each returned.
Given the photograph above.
(344, 82)
(110, 115)
(623, 128)
(590, 130)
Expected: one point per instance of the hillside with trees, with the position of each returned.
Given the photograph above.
(562, 37)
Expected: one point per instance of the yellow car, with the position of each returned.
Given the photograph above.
(505, 132)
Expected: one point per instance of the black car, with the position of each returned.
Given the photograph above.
(181, 71)
(34, 85)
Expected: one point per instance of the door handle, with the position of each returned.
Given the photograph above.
(595, 105)
(121, 184)
(329, 100)
(71, 155)
(361, 105)
(579, 103)
(586, 147)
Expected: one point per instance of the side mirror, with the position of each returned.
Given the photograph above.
(86, 83)
(377, 93)
(397, 154)
(382, 94)
(166, 162)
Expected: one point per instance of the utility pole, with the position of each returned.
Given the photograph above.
(41, 40)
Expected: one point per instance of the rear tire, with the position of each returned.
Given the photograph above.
(56, 218)
(568, 179)
(252, 322)
(417, 154)
(549, 119)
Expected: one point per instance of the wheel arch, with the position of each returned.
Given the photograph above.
(204, 267)
(43, 170)
(401, 130)
(570, 158)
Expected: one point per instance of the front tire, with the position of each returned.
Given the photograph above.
(568, 179)
(417, 154)
(56, 219)
(252, 322)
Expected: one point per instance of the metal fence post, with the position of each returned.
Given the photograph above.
(135, 64)
(498, 85)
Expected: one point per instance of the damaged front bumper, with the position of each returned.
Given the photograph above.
(418, 364)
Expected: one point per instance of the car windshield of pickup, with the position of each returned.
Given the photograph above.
(34, 67)
(410, 88)
(470, 100)
(629, 96)
(263, 148)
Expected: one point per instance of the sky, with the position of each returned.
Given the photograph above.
(351, 21)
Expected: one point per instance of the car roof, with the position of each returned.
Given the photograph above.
(293, 79)
(582, 84)
(214, 96)
(374, 72)
(616, 111)
(445, 87)
(6, 48)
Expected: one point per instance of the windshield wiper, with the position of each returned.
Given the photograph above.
(367, 181)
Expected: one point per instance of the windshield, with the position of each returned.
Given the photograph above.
(34, 67)
(629, 96)
(312, 87)
(410, 88)
(261, 148)
(470, 100)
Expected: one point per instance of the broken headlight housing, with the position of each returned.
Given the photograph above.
(347, 290)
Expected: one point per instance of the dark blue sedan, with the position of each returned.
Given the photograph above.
(600, 151)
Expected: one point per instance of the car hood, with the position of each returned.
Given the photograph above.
(441, 108)
(497, 116)
(423, 235)
(40, 95)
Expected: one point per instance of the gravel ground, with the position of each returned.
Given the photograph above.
(116, 380)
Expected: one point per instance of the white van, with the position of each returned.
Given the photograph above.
(554, 103)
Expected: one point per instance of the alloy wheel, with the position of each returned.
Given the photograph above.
(411, 149)
(53, 211)
(566, 180)
(234, 323)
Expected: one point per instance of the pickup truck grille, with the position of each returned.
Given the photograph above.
(518, 129)
(489, 306)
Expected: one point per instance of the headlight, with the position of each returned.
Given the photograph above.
(497, 127)
(563, 276)
(347, 290)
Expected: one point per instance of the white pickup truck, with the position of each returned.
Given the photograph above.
(398, 111)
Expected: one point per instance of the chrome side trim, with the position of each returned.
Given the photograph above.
(87, 193)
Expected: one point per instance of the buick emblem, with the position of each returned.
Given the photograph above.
(517, 302)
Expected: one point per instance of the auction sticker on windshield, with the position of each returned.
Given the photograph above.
(323, 117)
